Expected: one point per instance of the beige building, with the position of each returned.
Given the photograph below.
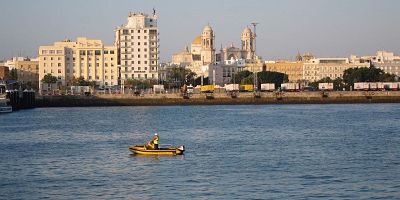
(28, 72)
(85, 58)
(4, 73)
(294, 70)
(387, 61)
(333, 68)
(138, 47)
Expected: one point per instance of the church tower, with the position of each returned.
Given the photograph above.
(247, 43)
(207, 45)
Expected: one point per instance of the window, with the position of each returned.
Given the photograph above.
(82, 52)
(138, 62)
(145, 62)
(133, 68)
(59, 71)
(138, 43)
(97, 52)
(125, 32)
(138, 31)
(105, 64)
(44, 58)
(145, 43)
(111, 52)
(44, 52)
(139, 68)
(105, 52)
(145, 31)
(59, 64)
(59, 51)
(138, 37)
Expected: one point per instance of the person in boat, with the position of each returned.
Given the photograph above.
(155, 141)
(153, 144)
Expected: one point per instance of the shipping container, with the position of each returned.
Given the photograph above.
(158, 88)
(269, 87)
(207, 88)
(291, 87)
(246, 88)
(380, 86)
(373, 86)
(361, 86)
(392, 86)
(325, 86)
(231, 87)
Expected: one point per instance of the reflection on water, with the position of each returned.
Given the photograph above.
(242, 152)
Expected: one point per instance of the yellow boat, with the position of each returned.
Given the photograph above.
(171, 151)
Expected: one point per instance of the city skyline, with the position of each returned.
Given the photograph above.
(325, 28)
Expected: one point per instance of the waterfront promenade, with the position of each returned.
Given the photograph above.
(249, 98)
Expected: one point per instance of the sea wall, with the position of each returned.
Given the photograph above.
(221, 99)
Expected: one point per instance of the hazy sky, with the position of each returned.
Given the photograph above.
(335, 28)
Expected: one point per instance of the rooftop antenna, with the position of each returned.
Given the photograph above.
(154, 11)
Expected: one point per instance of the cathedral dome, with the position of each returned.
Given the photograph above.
(197, 41)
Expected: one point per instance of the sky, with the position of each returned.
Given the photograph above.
(326, 28)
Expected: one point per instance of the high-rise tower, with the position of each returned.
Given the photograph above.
(137, 44)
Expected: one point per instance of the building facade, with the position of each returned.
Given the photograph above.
(138, 47)
(28, 72)
(333, 68)
(85, 58)
(384, 60)
(223, 73)
(4, 73)
(294, 70)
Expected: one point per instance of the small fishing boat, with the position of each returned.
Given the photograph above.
(169, 151)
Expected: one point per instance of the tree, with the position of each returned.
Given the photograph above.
(178, 76)
(371, 74)
(240, 77)
(271, 77)
(80, 81)
(14, 74)
(49, 79)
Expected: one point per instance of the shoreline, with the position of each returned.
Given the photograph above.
(265, 98)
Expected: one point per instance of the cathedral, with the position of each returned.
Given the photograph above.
(202, 51)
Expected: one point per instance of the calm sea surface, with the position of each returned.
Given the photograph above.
(233, 152)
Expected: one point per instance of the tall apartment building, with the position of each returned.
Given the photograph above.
(85, 58)
(138, 47)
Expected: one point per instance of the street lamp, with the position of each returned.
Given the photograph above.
(254, 57)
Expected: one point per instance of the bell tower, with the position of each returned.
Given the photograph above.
(207, 45)
(247, 43)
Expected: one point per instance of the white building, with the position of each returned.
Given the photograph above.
(223, 72)
(137, 43)
(319, 68)
(384, 60)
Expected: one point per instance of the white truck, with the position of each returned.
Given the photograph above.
(361, 86)
(325, 86)
(290, 87)
(269, 87)
(158, 88)
(231, 87)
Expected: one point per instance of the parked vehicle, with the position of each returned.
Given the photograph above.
(231, 87)
(325, 86)
(268, 87)
(158, 88)
(246, 88)
(207, 88)
(361, 86)
(290, 87)
(392, 86)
